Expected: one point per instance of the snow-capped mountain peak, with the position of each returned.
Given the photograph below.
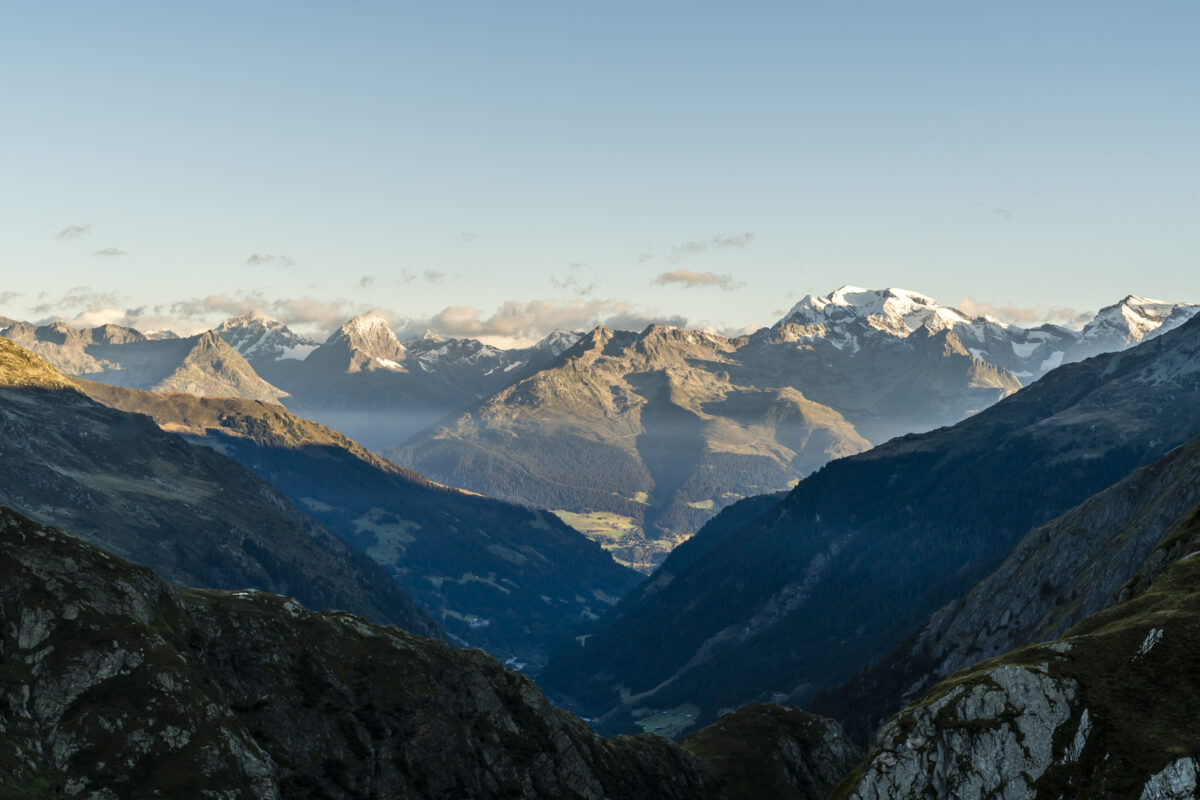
(559, 340)
(259, 336)
(850, 317)
(895, 311)
(1135, 318)
(368, 342)
(366, 325)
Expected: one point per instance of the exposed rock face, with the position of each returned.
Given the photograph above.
(1176, 782)
(116, 685)
(991, 738)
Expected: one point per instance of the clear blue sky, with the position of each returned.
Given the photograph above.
(320, 158)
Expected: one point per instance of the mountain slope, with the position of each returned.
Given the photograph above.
(1107, 710)
(859, 555)
(118, 685)
(203, 364)
(496, 575)
(196, 516)
(661, 428)
(641, 438)
(1055, 577)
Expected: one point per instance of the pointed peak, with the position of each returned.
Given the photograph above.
(369, 321)
(255, 317)
(559, 340)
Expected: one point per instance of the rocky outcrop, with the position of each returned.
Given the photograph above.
(1177, 781)
(993, 737)
(116, 685)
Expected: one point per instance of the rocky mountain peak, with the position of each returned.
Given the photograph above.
(116, 334)
(251, 319)
(368, 343)
(1135, 318)
(559, 340)
(257, 336)
(893, 311)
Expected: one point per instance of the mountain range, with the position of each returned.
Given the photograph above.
(120, 482)
(1022, 582)
(636, 439)
(858, 556)
(659, 430)
(366, 383)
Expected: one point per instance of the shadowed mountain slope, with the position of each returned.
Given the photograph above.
(118, 685)
(662, 428)
(120, 482)
(495, 575)
(1104, 711)
(1058, 575)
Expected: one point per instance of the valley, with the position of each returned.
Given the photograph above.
(876, 585)
(599, 401)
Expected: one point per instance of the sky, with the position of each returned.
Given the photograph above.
(499, 169)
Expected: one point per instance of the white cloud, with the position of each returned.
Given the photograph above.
(719, 242)
(517, 322)
(268, 260)
(73, 232)
(691, 279)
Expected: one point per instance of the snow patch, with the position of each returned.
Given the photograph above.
(1025, 349)
(1053, 362)
(298, 351)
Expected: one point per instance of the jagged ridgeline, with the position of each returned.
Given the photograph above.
(640, 438)
(636, 440)
(494, 575)
(118, 481)
(118, 685)
(856, 558)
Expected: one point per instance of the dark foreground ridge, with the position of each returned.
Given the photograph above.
(120, 685)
